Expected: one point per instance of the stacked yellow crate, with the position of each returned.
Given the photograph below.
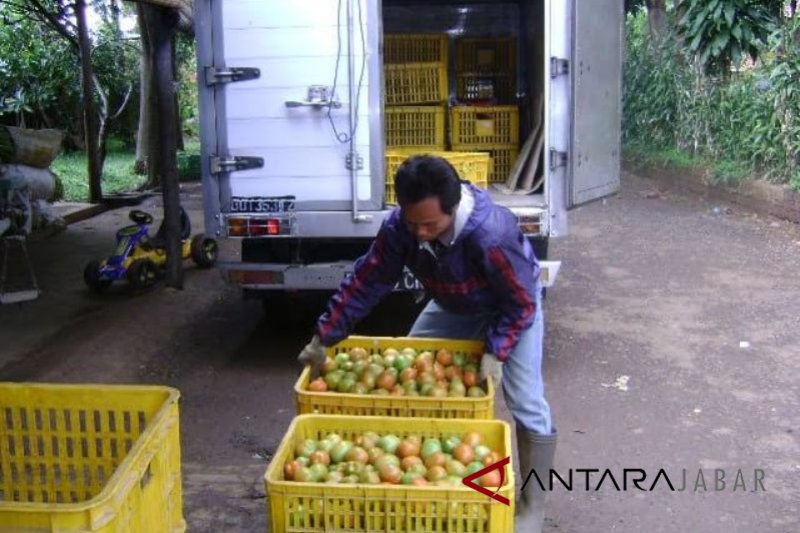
(416, 92)
(486, 69)
(486, 73)
(491, 129)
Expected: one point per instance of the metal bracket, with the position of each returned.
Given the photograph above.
(359, 161)
(228, 75)
(557, 159)
(318, 96)
(219, 165)
(558, 67)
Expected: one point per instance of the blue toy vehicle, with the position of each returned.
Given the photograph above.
(140, 258)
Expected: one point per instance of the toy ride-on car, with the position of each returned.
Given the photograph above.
(140, 258)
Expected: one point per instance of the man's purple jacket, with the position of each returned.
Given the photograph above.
(490, 268)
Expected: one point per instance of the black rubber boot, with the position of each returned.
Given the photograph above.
(535, 452)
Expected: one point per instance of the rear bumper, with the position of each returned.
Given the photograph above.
(325, 276)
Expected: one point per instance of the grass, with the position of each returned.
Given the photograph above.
(722, 171)
(118, 174)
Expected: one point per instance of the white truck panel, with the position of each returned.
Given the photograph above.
(319, 187)
(288, 42)
(256, 102)
(291, 132)
(239, 14)
(296, 45)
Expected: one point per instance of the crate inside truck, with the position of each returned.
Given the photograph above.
(305, 106)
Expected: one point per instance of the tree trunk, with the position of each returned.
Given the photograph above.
(657, 20)
(160, 24)
(144, 133)
(89, 110)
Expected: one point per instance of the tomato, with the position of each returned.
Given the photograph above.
(289, 470)
(408, 449)
(386, 381)
(464, 453)
(470, 378)
(409, 374)
(472, 438)
(444, 357)
(410, 461)
(491, 459)
(437, 473)
(320, 457)
(390, 473)
(490, 479)
(435, 459)
(318, 385)
(452, 372)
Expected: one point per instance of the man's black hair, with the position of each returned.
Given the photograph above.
(425, 176)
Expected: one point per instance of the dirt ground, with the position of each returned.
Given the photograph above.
(696, 304)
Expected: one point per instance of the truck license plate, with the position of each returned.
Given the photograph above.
(278, 204)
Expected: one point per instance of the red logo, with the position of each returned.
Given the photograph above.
(469, 480)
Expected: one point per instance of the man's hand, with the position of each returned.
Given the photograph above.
(313, 355)
(491, 367)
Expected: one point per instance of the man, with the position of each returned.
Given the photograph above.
(472, 258)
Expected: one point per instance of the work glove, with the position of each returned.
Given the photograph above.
(492, 367)
(313, 355)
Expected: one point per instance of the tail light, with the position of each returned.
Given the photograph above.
(530, 224)
(258, 226)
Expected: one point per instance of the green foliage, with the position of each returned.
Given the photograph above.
(720, 32)
(187, 85)
(38, 74)
(749, 120)
(117, 172)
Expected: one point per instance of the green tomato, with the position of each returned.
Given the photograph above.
(389, 443)
(429, 447)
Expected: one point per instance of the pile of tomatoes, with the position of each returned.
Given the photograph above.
(388, 459)
(401, 373)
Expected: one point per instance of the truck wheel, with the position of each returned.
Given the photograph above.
(91, 276)
(142, 274)
(204, 251)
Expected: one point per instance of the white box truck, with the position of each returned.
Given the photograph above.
(292, 122)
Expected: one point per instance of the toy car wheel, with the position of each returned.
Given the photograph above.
(92, 278)
(142, 274)
(204, 251)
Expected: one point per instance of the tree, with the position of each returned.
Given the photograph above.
(53, 83)
(158, 27)
(719, 33)
(657, 20)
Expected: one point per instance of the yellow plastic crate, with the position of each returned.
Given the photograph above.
(486, 55)
(495, 88)
(89, 458)
(416, 126)
(484, 125)
(502, 162)
(336, 403)
(315, 507)
(415, 48)
(474, 167)
(416, 83)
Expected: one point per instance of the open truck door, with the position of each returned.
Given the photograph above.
(597, 44)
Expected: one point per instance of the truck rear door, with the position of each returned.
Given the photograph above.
(291, 104)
